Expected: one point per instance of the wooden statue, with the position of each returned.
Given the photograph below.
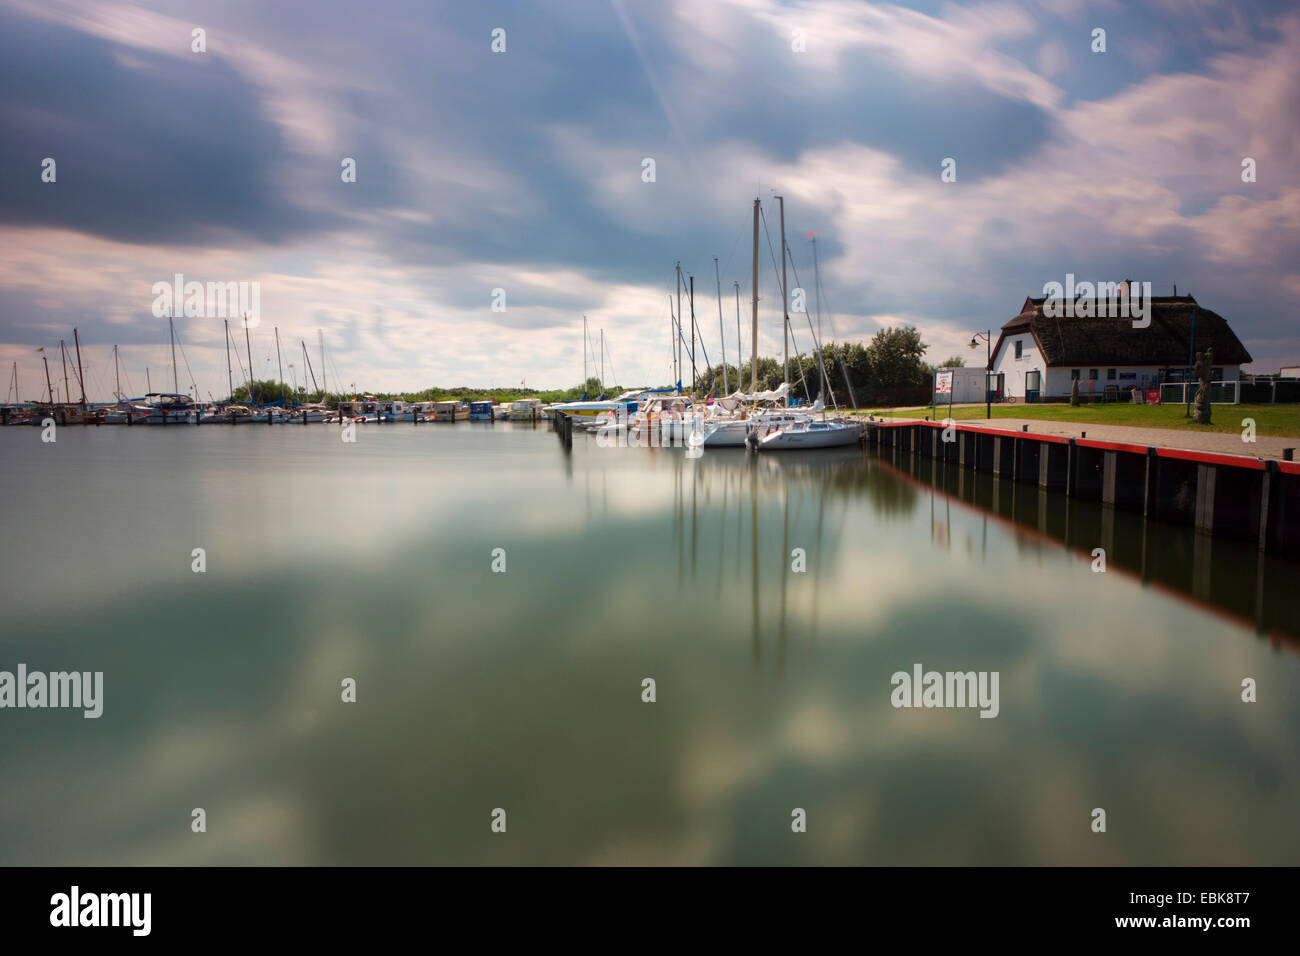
(1201, 406)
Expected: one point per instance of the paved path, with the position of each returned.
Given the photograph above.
(1229, 443)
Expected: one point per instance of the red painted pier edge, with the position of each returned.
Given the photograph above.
(1232, 496)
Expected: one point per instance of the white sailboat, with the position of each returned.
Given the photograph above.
(811, 434)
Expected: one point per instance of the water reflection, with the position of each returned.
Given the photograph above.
(1222, 576)
(777, 503)
(522, 690)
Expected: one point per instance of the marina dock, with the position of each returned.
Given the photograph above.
(1235, 496)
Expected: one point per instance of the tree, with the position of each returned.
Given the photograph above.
(895, 356)
(263, 392)
(955, 361)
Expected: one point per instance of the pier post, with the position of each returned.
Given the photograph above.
(1284, 513)
(1267, 486)
(1150, 484)
(1206, 476)
(1004, 456)
(1053, 466)
(1109, 471)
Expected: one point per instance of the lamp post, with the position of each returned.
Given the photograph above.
(988, 360)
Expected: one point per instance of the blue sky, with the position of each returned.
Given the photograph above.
(522, 170)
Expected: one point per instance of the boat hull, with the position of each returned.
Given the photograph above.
(832, 436)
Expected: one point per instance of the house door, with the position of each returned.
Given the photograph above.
(1033, 385)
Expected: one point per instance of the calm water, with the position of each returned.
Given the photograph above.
(522, 690)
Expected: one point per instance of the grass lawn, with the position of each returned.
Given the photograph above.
(1280, 420)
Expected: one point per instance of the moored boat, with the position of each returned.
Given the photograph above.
(526, 410)
(810, 434)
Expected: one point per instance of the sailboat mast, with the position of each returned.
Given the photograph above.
(117, 376)
(230, 375)
(672, 328)
(584, 358)
(679, 325)
(81, 375)
(695, 376)
(753, 348)
(48, 385)
(717, 277)
(310, 369)
(67, 392)
(324, 382)
(785, 309)
(176, 385)
(740, 340)
(248, 344)
(602, 363)
(278, 363)
(817, 292)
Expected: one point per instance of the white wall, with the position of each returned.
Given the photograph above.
(1056, 382)
(1006, 363)
(967, 386)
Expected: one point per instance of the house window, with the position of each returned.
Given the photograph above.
(1075, 373)
(1092, 374)
(1110, 375)
(1019, 348)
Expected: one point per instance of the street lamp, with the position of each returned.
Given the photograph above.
(988, 360)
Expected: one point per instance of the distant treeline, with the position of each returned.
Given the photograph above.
(888, 370)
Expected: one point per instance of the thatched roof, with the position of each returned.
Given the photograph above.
(1075, 341)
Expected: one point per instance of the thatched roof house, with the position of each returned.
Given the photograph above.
(1042, 353)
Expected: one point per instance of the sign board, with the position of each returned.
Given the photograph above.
(943, 381)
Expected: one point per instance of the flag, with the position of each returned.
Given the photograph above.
(42, 349)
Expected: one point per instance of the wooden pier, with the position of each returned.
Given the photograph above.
(1232, 496)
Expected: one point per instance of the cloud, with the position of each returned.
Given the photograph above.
(523, 171)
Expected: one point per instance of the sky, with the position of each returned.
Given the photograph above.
(524, 169)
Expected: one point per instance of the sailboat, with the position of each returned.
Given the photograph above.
(765, 419)
(811, 434)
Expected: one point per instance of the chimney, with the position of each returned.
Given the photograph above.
(1175, 290)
